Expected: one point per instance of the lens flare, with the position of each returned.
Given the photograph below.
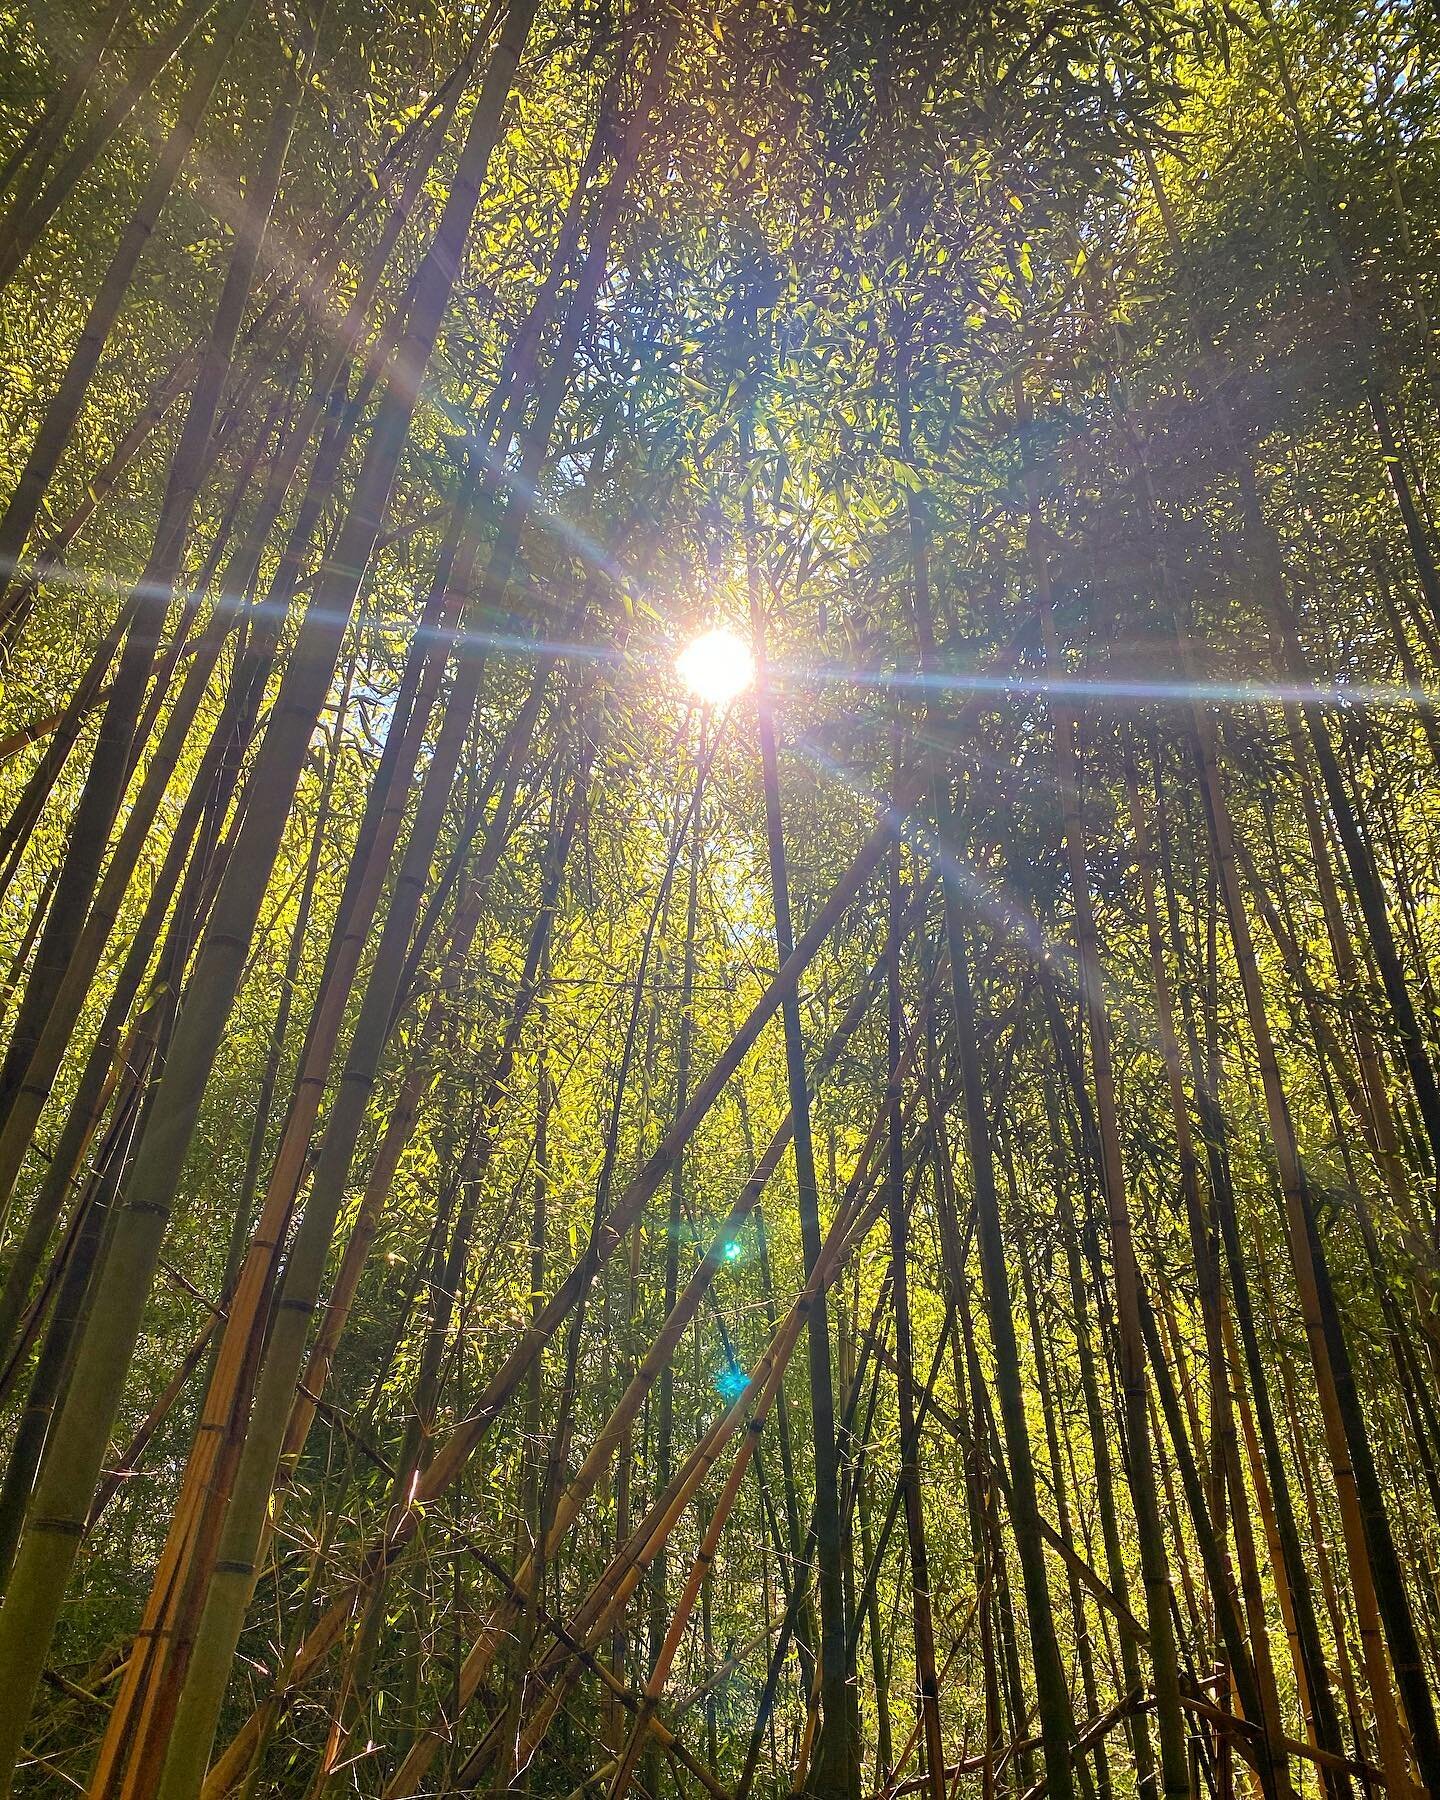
(716, 666)
(731, 1383)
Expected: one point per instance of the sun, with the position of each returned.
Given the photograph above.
(716, 666)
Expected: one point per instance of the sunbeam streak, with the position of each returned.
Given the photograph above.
(798, 678)
(1012, 920)
(1141, 692)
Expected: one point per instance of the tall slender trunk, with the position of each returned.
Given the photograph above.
(910, 1471)
(628, 1207)
(836, 1770)
(26, 1105)
(1297, 1209)
(63, 1494)
(37, 200)
(1252, 1667)
(45, 134)
(112, 761)
(1174, 1763)
(117, 1073)
(1056, 1717)
(665, 1410)
(1346, 1458)
(62, 414)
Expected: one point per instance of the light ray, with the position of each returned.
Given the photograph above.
(1074, 687)
(794, 677)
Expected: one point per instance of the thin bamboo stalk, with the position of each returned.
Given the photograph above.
(1174, 1772)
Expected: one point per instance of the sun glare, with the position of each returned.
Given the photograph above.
(716, 666)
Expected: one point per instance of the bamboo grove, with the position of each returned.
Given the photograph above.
(576, 1230)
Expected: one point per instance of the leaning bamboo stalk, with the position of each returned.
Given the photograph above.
(111, 762)
(857, 1211)
(378, 1187)
(419, 686)
(21, 953)
(45, 135)
(1393, 1756)
(23, 1114)
(62, 414)
(25, 735)
(1409, 667)
(44, 1561)
(70, 1280)
(203, 1539)
(1085, 1355)
(230, 1585)
(597, 1459)
(127, 1464)
(122, 1074)
(112, 1059)
(980, 1468)
(289, 981)
(453, 1457)
(892, 1785)
(65, 725)
(36, 200)
(206, 1518)
(1358, 851)
(48, 563)
(1268, 561)
(1377, 1116)
(210, 792)
(49, 567)
(289, 989)
(608, 1598)
(690, 1591)
(1378, 405)
(16, 832)
(658, 1357)
(420, 690)
(1373, 1119)
(1201, 1232)
(664, 1734)
(245, 562)
(74, 1273)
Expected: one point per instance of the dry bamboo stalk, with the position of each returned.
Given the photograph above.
(323, 1636)
(1393, 1756)
(567, 1509)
